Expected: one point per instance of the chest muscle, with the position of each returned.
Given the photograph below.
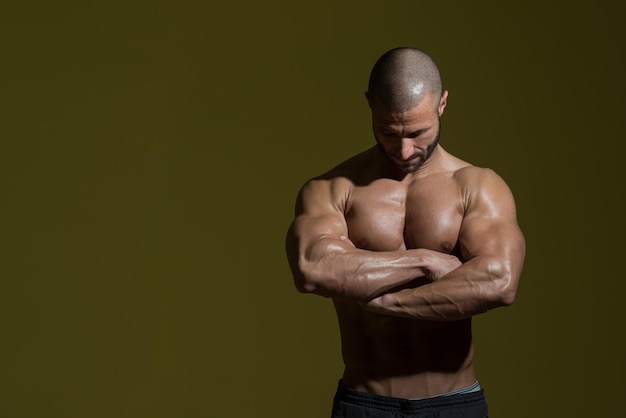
(386, 215)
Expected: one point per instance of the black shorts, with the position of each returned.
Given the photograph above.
(350, 403)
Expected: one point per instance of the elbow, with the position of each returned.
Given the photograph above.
(301, 271)
(299, 266)
(507, 296)
(304, 284)
(307, 285)
(305, 279)
(504, 283)
(315, 282)
(313, 273)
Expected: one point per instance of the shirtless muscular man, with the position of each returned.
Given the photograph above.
(410, 242)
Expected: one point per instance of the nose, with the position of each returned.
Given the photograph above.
(407, 149)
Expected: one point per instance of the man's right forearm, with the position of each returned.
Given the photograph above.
(335, 268)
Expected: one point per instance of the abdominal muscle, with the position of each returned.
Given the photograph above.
(404, 358)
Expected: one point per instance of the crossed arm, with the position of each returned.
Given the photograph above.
(494, 250)
(325, 262)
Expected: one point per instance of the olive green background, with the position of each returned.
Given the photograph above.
(152, 151)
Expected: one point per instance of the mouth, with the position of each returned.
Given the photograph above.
(411, 160)
(409, 165)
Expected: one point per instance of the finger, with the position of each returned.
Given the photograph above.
(344, 238)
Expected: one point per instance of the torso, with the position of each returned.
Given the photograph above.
(397, 356)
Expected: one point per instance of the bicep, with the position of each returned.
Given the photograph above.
(319, 222)
(490, 227)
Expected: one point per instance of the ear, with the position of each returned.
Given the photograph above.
(443, 102)
(368, 98)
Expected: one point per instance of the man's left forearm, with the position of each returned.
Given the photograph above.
(475, 287)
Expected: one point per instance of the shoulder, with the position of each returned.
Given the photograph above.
(471, 175)
(480, 187)
(484, 190)
(342, 178)
(324, 191)
(334, 187)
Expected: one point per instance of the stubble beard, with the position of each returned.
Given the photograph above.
(417, 160)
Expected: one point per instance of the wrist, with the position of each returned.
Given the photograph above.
(423, 265)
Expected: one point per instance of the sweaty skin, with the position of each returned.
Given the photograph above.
(409, 249)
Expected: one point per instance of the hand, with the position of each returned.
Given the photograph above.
(346, 239)
(439, 264)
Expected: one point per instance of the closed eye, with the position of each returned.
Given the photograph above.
(416, 133)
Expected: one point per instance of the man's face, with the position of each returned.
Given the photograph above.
(408, 138)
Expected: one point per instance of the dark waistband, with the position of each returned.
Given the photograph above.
(347, 394)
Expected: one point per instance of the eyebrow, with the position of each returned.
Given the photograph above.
(418, 132)
(410, 134)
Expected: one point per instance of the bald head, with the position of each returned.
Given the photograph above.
(402, 78)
